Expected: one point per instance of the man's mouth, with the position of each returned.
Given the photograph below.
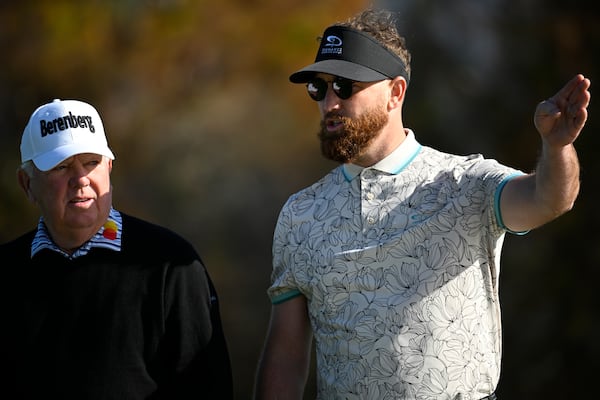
(81, 200)
(334, 124)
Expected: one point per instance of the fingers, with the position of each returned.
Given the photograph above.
(575, 93)
(572, 100)
(580, 118)
(566, 111)
(578, 101)
(584, 93)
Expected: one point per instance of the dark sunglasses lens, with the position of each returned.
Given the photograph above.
(342, 88)
(317, 88)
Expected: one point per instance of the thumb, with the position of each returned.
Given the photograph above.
(545, 115)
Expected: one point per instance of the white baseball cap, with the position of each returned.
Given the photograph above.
(62, 129)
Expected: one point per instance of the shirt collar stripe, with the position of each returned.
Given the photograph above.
(393, 163)
(108, 237)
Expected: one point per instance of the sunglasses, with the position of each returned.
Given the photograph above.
(342, 87)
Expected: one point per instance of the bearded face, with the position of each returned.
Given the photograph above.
(346, 144)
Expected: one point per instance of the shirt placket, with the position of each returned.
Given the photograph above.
(370, 204)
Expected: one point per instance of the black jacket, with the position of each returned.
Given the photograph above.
(142, 323)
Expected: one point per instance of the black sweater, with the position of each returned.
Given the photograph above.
(142, 323)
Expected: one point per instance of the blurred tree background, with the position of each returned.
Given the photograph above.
(211, 139)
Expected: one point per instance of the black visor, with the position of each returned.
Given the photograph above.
(352, 54)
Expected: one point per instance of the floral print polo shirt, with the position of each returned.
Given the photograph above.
(399, 264)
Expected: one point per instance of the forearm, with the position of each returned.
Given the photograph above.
(559, 121)
(283, 367)
(557, 180)
(532, 200)
(284, 379)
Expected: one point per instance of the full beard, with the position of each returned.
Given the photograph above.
(351, 141)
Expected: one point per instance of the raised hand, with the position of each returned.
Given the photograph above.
(559, 119)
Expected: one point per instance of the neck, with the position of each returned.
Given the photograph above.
(383, 145)
(69, 240)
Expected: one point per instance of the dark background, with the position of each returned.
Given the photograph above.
(211, 138)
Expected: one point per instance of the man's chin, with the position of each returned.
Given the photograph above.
(334, 154)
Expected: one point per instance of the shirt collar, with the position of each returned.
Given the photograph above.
(108, 236)
(395, 162)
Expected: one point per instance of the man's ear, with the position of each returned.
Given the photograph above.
(25, 182)
(398, 91)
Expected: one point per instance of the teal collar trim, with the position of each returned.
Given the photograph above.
(393, 163)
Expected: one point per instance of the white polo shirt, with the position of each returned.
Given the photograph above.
(399, 264)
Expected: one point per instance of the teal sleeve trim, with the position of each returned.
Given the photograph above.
(497, 204)
(285, 296)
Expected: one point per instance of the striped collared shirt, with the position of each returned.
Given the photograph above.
(108, 237)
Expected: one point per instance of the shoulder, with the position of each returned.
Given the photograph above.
(441, 159)
(470, 164)
(18, 246)
(154, 239)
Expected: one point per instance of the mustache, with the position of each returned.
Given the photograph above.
(330, 118)
(331, 114)
(334, 115)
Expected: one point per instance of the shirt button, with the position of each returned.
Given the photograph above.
(371, 220)
(370, 196)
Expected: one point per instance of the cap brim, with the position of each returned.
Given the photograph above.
(344, 69)
(49, 160)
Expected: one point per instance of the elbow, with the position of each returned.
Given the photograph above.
(566, 204)
(565, 208)
(571, 197)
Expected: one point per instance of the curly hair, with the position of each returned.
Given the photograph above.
(381, 25)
